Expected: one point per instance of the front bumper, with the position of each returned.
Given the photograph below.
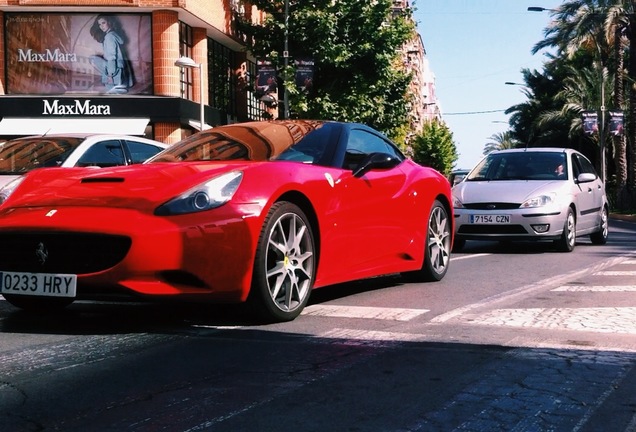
(510, 225)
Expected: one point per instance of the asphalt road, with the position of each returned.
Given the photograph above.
(516, 338)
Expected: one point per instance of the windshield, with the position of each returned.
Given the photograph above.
(25, 154)
(530, 165)
(301, 141)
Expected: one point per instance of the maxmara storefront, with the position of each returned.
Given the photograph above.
(109, 66)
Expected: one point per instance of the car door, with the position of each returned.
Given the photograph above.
(370, 228)
(589, 194)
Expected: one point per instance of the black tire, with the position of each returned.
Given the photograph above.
(568, 238)
(38, 303)
(438, 246)
(285, 264)
(600, 237)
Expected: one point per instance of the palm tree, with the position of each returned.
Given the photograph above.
(500, 141)
(606, 28)
(579, 25)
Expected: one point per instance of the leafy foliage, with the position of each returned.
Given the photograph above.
(358, 75)
(435, 147)
(500, 141)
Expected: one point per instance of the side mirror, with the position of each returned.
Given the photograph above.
(585, 178)
(375, 161)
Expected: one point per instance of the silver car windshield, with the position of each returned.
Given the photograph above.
(531, 165)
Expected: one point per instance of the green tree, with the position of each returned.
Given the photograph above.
(355, 46)
(434, 147)
(500, 141)
(597, 28)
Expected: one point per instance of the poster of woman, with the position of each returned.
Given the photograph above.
(78, 53)
(112, 63)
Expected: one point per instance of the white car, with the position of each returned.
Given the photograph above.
(531, 194)
(21, 155)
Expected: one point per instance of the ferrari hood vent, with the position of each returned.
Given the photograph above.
(103, 180)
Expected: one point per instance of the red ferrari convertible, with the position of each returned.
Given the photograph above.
(259, 212)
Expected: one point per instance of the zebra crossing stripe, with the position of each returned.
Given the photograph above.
(615, 273)
(618, 320)
(369, 337)
(337, 311)
(596, 288)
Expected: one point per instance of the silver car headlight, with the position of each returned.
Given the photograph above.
(9, 188)
(539, 201)
(211, 194)
(457, 202)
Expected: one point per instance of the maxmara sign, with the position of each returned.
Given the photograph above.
(75, 108)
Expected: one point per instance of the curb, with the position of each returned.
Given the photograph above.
(623, 217)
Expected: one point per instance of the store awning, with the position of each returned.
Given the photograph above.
(42, 126)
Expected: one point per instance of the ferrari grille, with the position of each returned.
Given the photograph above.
(61, 252)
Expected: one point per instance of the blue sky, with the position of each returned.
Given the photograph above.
(474, 47)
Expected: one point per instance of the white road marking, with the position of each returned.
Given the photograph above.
(615, 273)
(596, 288)
(619, 320)
(524, 291)
(370, 336)
(394, 314)
(469, 256)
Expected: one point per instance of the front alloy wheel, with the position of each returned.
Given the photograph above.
(568, 238)
(438, 246)
(285, 265)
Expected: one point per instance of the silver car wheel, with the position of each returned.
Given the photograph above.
(437, 247)
(284, 264)
(439, 240)
(600, 237)
(568, 238)
(289, 262)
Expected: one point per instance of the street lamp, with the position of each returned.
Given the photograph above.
(286, 60)
(187, 62)
(539, 9)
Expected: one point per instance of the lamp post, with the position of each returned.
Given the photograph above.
(286, 60)
(187, 62)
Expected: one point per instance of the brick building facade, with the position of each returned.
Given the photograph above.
(56, 68)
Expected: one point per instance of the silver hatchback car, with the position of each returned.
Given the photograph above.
(531, 194)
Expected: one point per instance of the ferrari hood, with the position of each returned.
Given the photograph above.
(138, 186)
(514, 191)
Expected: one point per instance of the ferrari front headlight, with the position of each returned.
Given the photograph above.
(211, 194)
(9, 188)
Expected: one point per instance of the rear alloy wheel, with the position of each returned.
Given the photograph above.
(600, 237)
(568, 238)
(38, 304)
(438, 246)
(285, 264)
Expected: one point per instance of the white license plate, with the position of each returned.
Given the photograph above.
(38, 284)
(490, 219)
